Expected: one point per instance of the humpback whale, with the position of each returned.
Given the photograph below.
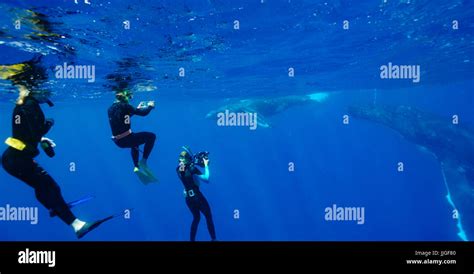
(452, 144)
(267, 107)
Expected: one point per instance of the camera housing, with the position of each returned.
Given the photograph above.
(199, 157)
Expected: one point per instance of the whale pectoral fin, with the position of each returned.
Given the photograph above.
(262, 122)
(421, 148)
(460, 196)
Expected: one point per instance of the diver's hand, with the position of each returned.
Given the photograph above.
(49, 141)
(50, 122)
(205, 161)
(141, 105)
(144, 104)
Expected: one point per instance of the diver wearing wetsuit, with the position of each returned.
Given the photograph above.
(29, 126)
(120, 114)
(195, 200)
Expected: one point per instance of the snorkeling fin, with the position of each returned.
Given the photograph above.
(7, 71)
(88, 227)
(143, 166)
(72, 204)
(145, 177)
(151, 176)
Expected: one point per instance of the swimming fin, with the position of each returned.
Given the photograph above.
(88, 227)
(7, 71)
(72, 204)
(145, 175)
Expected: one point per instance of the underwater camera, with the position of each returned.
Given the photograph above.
(145, 104)
(198, 159)
(48, 148)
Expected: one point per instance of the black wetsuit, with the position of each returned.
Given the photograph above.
(197, 203)
(120, 114)
(29, 126)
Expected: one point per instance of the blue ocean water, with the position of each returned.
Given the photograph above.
(351, 165)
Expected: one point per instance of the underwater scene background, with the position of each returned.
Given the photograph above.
(341, 124)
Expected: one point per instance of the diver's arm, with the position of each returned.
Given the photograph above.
(40, 124)
(24, 116)
(205, 177)
(37, 124)
(48, 124)
(141, 111)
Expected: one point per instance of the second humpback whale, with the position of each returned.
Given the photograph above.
(452, 144)
(267, 107)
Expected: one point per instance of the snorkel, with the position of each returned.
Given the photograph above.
(186, 148)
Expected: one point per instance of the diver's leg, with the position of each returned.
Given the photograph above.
(148, 139)
(196, 217)
(206, 210)
(18, 166)
(135, 156)
(47, 191)
(150, 143)
(49, 194)
(135, 140)
(130, 142)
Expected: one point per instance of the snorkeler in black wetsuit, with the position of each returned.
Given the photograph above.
(120, 114)
(190, 176)
(29, 127)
